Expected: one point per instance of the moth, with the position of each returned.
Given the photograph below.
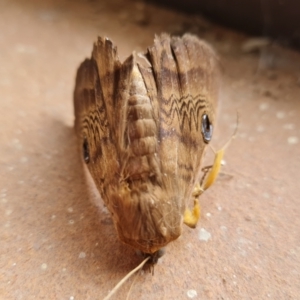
(143, 126)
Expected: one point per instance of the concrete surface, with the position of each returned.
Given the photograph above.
(55, 243)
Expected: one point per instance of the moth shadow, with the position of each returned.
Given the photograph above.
(83, 231)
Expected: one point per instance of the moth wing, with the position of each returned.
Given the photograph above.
(184, 87)
(115, 80)
(94, 98)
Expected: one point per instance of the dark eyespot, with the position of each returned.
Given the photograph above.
(86, 151)
(207, 129)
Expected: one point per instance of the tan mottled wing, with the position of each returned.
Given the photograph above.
(95, 113)
(184, 86)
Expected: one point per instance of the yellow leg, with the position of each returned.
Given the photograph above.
(191, 217)
(197, 191)
(215, 170)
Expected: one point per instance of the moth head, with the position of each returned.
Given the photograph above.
(206, 128)
(154, 257)
(86, 150)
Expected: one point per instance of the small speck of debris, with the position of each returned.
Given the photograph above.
(208, 215)
(44, 266)
(24, 160)
(53, 217)
(263, 106)
(219, 208)
(204, 235)
(72, 298)
(260, 128)
(289, 126)
(82, 255)
(292, 140)
(70, 209)
(223, 162)
(8, 212)
(191, 294)
(248, 218)
(280, 114)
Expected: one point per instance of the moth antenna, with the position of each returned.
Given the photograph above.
(232, 137)
(122, 281)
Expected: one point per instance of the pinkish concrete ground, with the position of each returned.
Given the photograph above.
(56, 244)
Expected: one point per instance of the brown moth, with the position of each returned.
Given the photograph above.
(143, 126)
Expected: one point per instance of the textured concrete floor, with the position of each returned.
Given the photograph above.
(55, 243)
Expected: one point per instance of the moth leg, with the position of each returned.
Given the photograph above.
(191, 217)
(209, 177)
(198, 190)
(205, 171)
(214, 171)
